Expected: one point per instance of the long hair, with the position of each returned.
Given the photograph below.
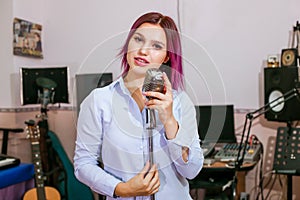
(174, 52)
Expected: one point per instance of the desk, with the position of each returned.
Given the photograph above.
(15, 181)
(218, 175)
(221, 166)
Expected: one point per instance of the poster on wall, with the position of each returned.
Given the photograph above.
(27, 38)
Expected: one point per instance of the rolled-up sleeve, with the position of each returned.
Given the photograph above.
(187, 136)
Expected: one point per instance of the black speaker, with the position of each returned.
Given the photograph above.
(278, 81)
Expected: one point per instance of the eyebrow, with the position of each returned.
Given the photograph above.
(155, 41)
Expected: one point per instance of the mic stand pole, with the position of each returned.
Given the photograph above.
(152, 125)
(250, 117)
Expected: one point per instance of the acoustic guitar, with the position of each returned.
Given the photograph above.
(40, 192)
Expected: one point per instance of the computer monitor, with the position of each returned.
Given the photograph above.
(216, 123)
(85, 83)
(30, 89)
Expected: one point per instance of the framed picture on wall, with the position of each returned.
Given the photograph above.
(27, 38)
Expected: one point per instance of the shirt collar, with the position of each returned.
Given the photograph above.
(119, 83)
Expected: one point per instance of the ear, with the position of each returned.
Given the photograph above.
(166, 59)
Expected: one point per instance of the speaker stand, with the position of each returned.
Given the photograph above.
(287, 154)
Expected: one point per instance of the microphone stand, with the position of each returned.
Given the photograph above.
(152, 124)
(153, 82)
(45, 96)
(252, 116)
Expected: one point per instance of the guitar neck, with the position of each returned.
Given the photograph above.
(39, 181)
(40, 192)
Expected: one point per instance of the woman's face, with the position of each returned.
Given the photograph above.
(147, 48)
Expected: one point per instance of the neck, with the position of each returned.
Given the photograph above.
(133, 83)
(134, 86)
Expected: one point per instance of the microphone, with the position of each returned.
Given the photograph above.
(153, 81)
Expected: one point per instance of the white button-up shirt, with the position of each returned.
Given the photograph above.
(112, 130)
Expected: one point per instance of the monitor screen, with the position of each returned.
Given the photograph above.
(30, 88)
(216, 123)
(85, 83)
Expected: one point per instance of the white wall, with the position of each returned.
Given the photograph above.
(238, 36)
(30, 10)
(71, 30)
(10, 64)
(225, 42)
(85, 35)
(6, 58)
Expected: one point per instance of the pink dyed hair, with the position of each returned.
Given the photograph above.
(174, 65)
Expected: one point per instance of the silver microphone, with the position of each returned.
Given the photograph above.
(153, 81)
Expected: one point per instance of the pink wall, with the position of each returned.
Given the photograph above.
(62, 122)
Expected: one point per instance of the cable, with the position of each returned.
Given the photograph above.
(272, 172)
(253, 140)
(283, 186)
(271, 188)
(255, 181)
(276, 194)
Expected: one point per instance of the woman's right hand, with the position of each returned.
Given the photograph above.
(143, 184)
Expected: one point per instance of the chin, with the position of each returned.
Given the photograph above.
(140, 70)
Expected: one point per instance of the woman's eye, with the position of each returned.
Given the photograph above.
(137, 39)
(157, 46)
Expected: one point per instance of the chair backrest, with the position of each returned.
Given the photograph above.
(6, 132)
(75, 190)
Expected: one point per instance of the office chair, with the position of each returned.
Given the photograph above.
(6, 132)
(217, 185)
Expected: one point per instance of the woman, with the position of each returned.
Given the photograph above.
(112, 130)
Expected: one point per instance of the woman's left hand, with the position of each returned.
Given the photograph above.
(163, 103)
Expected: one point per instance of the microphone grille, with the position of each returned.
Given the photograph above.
(153, 81)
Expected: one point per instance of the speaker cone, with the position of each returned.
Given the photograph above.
(276, 94)
(289, 57)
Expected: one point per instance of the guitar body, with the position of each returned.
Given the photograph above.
(50, 193)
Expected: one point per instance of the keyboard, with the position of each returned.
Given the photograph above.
(208, 149)
(229, 152)
(8, 161)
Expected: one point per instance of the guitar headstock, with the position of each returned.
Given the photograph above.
(32, 130)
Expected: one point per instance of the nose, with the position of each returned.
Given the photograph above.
(144, 49)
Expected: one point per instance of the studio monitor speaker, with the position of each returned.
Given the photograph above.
(278, 81)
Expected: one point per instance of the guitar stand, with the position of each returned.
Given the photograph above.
(287, 154)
